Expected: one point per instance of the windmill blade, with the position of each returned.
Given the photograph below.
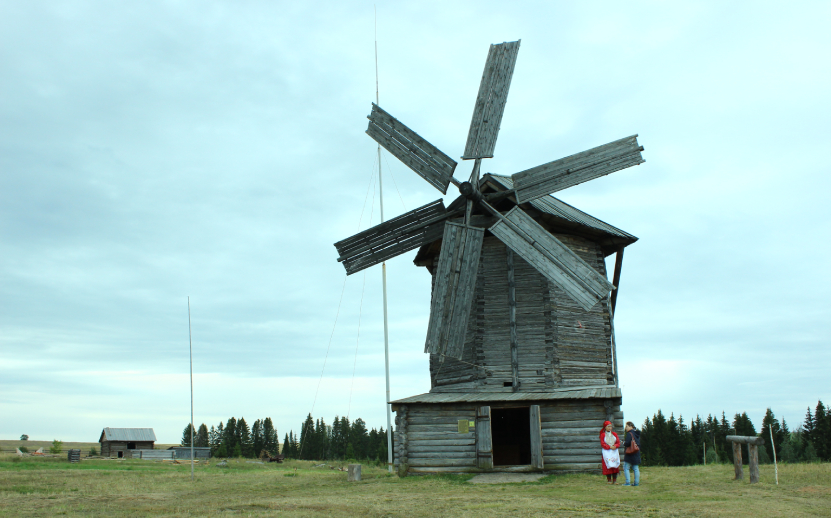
(454, 289)
(490, 103)
(418, 154)
(576, 169)
(552, 258)
(394, 237)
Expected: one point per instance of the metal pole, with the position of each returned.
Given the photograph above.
(773, 447)
(190, 341)
(383, 271)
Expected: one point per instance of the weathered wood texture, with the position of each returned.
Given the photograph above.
(354, 474)
(745, 439)
(409, 147)
(536, 437)
(552, 258)
(484, 438)
(559, 344)
(394, 237)
(753, 462)
(490, 102)
(453, 294)
(576, 169)
(564, 436)
(112, 448)
(737, 461)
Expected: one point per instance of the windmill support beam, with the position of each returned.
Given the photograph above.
(616, 277)
(512, 320)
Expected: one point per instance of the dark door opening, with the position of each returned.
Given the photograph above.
(511, 430)
(121, 455)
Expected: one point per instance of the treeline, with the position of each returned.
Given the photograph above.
(671, 442)
(235, 438)
(338, 441)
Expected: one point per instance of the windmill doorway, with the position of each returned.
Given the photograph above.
(511, 429)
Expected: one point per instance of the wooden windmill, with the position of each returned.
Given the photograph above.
(515, 273)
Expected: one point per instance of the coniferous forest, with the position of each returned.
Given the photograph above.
(672, 442)
(317, 440)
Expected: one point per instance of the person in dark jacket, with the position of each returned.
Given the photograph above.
(631, 460)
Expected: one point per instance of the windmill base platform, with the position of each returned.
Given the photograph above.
(455, 432)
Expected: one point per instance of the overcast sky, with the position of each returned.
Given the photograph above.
(151, 151)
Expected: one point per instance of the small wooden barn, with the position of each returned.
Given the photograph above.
(537, 377)
(116, 442)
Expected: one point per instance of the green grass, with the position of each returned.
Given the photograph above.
(122, 488)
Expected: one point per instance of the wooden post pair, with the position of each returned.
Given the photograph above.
(753, 444)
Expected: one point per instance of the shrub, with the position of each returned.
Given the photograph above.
(56, 446)
(24, 449)
(92, 452)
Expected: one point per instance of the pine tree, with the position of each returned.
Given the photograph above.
(822, 432)
(217, 436)
(271, 442)
(768, 422)
(287, 453)
(244, 435)
(230, 435)
(186, 435)
(257, 437)
(808, 428)
(307, 430)
(202, 436)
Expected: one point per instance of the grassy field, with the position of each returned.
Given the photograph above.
(120, 488)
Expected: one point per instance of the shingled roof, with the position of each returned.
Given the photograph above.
(128, 434)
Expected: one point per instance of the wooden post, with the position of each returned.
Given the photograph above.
(753, 461)
(773, 447)
(753, 444)
(536, 437)
(616, 277)
(737, 460)
(354, 473)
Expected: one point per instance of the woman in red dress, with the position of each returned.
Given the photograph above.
(609, 441)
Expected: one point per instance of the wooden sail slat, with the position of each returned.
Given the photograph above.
(454, 288)
(490, 102)
(394, 237)
(408, 146)
(576, 169)
(552, 258)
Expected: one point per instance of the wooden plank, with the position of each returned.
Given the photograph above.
(454, 289)
(408, 146)
(490, 101)
(616, 277)
(576, 169)
(484, 439)
(536, 437)
(509, 255)
(394, 237)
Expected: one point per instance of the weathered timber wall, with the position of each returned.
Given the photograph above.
(111, 448)
(427, 438)
(559, 343)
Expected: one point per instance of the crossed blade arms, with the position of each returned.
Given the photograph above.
(458, 264)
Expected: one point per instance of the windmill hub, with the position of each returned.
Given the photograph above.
(470, 192)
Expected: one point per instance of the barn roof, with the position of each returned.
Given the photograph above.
(128, 434)
(482, 397)
(566, 215)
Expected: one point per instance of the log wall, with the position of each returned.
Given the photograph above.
(558, 343)
(428, 439)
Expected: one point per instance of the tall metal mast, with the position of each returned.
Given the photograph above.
(384, 273)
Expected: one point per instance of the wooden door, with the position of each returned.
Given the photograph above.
(536, 437)
(484, 439)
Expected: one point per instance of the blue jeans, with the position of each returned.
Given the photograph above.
(637, 471)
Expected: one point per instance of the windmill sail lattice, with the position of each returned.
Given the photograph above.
(457, 269)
